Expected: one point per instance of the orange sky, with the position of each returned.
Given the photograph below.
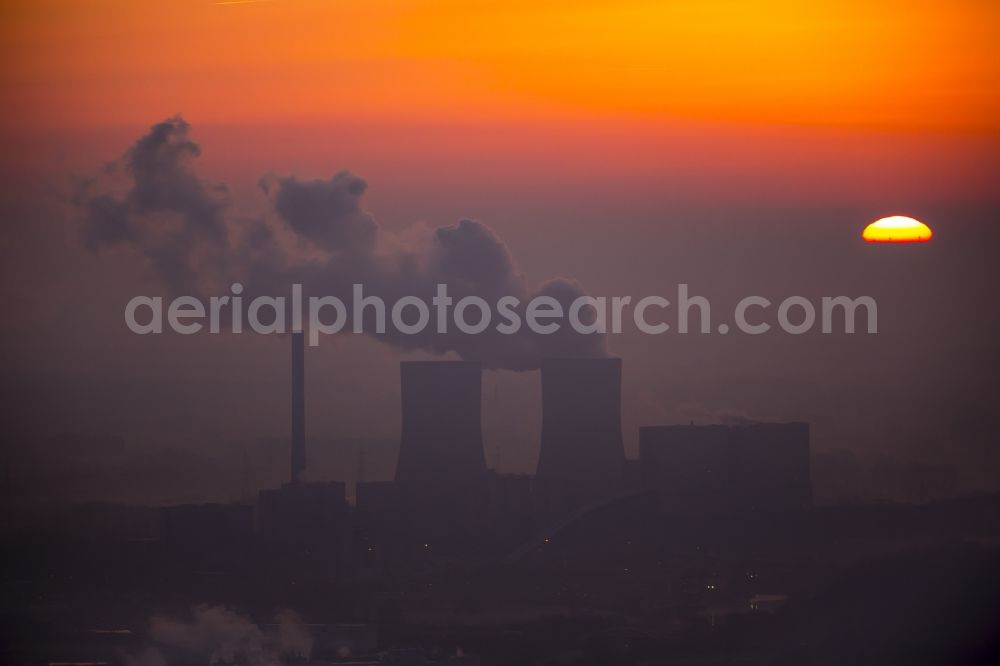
(882, 63)
(738, 146)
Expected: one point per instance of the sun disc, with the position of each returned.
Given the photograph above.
(897, 229)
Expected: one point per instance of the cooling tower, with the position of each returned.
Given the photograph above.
(298, 406)
(441, 446)
(582, 457)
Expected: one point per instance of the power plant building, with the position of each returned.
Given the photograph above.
(713, 469)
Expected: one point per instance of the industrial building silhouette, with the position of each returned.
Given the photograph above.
(706, 539)
(727, 469)
(445, 501)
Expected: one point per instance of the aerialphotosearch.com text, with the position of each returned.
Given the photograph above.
(473, 315)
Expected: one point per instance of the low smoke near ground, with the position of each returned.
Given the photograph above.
(219, 635)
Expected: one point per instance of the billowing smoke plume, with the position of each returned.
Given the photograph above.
(218, 635)
(317, 234)
(153, 200)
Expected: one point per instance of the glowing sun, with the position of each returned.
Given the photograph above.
(897, 229)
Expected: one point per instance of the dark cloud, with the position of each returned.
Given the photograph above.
(319, 235)
(326, 212)
(153, 200)
(471, 255)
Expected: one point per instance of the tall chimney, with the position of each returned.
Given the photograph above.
(582, 456)
(298, 406)
(441, 445)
